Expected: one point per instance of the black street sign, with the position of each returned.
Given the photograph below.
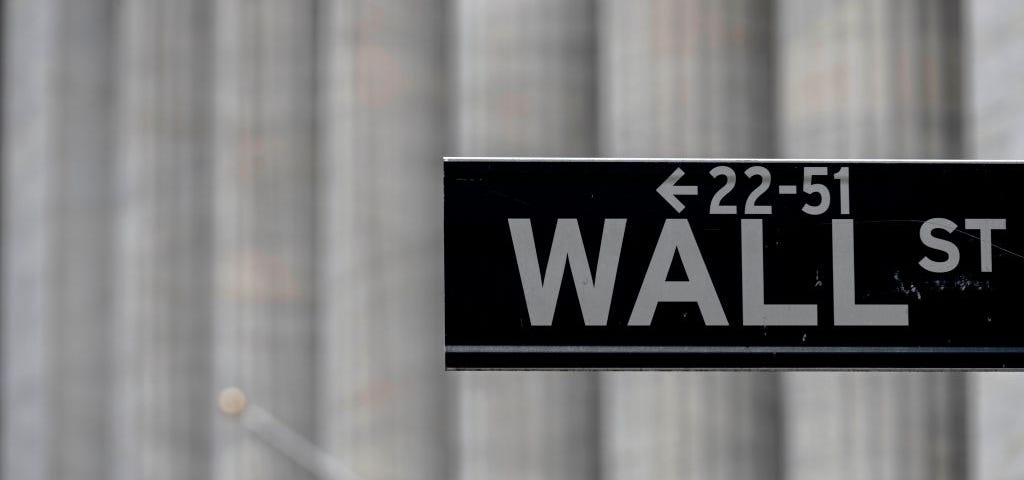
(723, 263)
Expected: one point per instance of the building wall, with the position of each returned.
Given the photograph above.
(162, 242)
(688, 79)
(524, 83)
(894, 92)
(57, 239)
(995, 117)
(198, 195)
(380, 135)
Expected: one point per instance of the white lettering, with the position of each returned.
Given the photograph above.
(755, 312)
(846, 310)
(676, 236)
(985, 227)
(594, 293)
(945, 246)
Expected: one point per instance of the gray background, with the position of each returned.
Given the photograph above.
(207, 193)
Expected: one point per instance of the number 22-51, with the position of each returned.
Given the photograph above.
(810, 186)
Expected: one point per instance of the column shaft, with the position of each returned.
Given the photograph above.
(688, 79)
(56, 238)
(525, 85)
(264, 246)
(872, 80)
(163, 394)
(381, 141)
(996, 118)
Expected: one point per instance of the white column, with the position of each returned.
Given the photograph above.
(691, 78)
(56, 238)
(162, 394)
(264, 248)
(869, 79)
(996, 118)
(995, 64)
(877, 80)
(524, 85)
(382, 409)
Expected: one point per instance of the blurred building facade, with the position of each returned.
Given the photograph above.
(872, 80)
(202, 194)
(524, 83)
(688, 79)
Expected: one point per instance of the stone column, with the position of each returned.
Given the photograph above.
(525, 85)
(383, 125)
(162, 395)
(872, 80)
(56, 241)
(995, 62)
(688, 79)
(996, 118)
(264, 248)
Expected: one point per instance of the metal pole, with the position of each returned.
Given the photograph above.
(277, 435)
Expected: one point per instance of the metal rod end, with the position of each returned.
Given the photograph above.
(232, 401)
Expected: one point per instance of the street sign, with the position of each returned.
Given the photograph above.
(733, 264)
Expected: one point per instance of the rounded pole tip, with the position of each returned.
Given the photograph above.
(232, 401)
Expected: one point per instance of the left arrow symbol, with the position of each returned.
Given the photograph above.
(668, 190)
